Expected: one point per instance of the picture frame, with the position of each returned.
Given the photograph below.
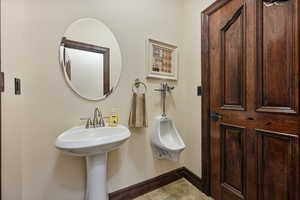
(162, 60)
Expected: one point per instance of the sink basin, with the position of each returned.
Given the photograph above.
(80, 141)
(93, 144)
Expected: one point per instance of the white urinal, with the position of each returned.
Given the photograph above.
(166, 141)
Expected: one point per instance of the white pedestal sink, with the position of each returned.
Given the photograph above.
(93, 144)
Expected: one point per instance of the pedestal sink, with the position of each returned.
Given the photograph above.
(93, 144)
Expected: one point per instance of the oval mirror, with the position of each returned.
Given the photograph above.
(91, 60)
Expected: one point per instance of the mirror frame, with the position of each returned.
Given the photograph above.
(66, 43)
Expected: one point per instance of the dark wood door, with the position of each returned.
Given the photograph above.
(252, 60)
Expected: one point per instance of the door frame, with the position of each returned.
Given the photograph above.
(205, 105)
(2, 88)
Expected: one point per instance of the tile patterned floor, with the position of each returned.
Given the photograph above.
(178, 190)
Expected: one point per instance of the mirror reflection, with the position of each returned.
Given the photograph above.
(91, 59)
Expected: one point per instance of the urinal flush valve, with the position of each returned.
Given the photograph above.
(164, 89)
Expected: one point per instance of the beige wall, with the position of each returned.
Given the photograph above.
(33, 169)
(192, 79)
(31, 31)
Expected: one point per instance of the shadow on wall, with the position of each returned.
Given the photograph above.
(68, 171)
(114, 166)
(137, 147)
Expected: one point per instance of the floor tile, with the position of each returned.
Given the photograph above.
(178, 190)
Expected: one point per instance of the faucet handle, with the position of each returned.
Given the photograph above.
(89, 122)
(97, 117)
(101, 119)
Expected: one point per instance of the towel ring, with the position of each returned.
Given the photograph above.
(137, 84)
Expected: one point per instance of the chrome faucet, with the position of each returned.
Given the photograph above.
(95, 119)
(98, 122)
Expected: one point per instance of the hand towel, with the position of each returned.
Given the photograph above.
(138, 113)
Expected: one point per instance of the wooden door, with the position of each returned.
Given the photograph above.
(251, 63)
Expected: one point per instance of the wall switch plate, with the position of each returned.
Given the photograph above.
(199, 91)
(17, 86)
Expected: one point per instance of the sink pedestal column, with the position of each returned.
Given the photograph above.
(96, 186)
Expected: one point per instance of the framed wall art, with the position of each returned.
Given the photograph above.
(162, 60)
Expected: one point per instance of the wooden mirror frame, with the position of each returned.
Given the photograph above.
(95, 49)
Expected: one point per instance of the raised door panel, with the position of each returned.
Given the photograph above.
(232, 161)
(226, 58)
(277, 166)
(233, 61)
(278, 84)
